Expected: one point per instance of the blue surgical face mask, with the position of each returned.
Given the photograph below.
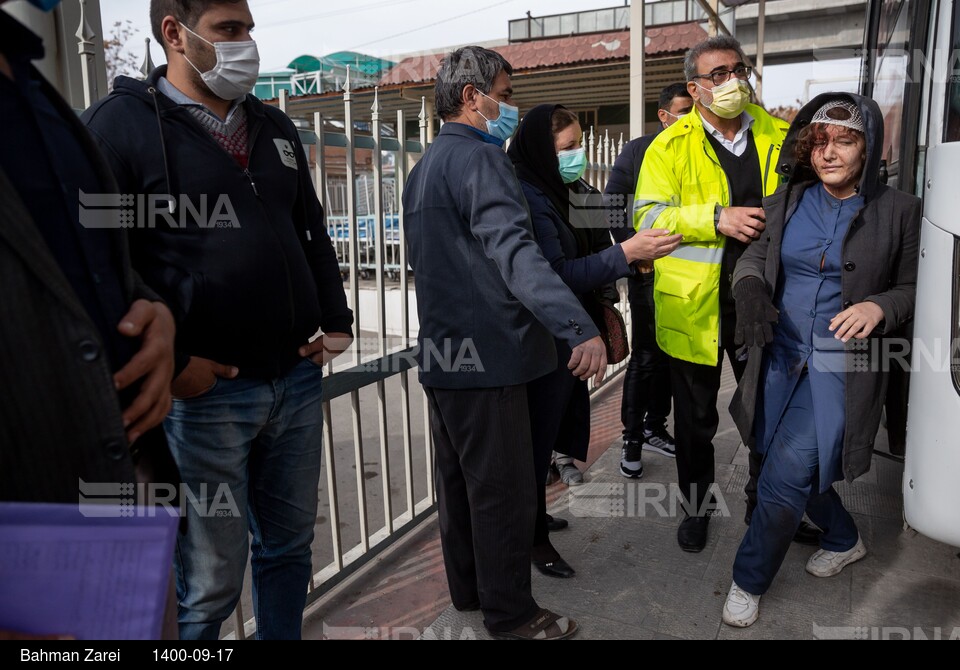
(573, 164)
(504, 126)
(45, 5)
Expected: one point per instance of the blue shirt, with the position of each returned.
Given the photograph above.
(810, 292)
(808, 297)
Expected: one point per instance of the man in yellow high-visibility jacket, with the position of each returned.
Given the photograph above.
(705, 178)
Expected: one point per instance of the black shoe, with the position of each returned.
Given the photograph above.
(660, 441)
(556, 567)
(630, 455)
(470, 607)
(553, 525)
(692, 534)
(808, 534)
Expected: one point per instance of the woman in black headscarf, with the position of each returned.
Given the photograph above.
(548, 155)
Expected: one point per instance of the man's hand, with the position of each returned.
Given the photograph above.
(199, 377)
(858, 321)
(153, 324)
(649, 245)
(326, 347)
(589, 359)
(742, 223)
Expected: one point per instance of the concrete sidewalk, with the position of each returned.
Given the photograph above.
(633, 581)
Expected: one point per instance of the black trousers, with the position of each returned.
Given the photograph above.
(696, 418)
(485, 490)
(646, 382)
(559, 421)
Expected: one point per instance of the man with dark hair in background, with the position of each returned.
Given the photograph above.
(484, 286)
(646, 383)
(250, 290)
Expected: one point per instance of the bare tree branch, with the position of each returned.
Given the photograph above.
(119, 60)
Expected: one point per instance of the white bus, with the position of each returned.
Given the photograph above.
(912, 69)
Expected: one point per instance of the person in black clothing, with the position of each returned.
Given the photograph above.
(252, 277)
(86, 348)
(646, 383)
(549, 159)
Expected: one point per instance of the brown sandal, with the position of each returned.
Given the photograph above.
(545, 625)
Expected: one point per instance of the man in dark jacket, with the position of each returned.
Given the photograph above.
(86, 349)
(646, 383)
(235, 241)
(490, 306)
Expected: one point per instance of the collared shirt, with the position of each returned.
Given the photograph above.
(185, 100)
(232, 135)
(738, 144)
(485, 136)
(48, 166)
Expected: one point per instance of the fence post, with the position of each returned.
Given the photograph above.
(147, 67)
(428, 436)
(591, 159)
(85, 37)
(380, 232)
(321, 158)
(404, 315)
(606, 159)
(354, 226)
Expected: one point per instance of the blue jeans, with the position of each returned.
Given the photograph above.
(249, 454)
(790, 484)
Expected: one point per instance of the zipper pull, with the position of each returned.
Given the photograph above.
(253, 184)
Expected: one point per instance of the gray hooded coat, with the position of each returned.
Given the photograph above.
(880, 253)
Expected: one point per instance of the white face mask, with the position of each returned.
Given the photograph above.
(236, 71)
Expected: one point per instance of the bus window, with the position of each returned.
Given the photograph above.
(952, 126)
(890, 73)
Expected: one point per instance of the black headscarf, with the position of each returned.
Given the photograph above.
(534, 155)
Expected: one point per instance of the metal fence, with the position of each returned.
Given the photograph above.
(371, 245)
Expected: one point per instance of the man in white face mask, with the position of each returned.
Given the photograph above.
(234, 239)
(705, 177)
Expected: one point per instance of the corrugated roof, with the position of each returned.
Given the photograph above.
(579, 49)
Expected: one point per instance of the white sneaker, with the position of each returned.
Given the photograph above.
(829, 563)
(742, 609)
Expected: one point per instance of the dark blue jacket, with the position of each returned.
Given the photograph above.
(249, 294)
(485, 293)
(623, 181)
(582, 273)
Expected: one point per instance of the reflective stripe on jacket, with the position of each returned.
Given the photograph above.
(681, 183)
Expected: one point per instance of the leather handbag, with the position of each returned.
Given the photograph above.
(613, 330)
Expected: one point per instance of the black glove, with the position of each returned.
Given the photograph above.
(756, 314)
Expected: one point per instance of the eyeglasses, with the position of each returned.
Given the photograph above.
(721, 76)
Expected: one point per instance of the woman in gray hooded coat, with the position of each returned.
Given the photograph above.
(832, 273)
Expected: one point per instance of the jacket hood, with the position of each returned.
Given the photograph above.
(164, 108)
(873, 131)
(141, 88)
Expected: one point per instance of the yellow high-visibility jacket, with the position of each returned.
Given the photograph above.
(680, 185)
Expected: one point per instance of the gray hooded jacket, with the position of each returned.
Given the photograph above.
(880, 254)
